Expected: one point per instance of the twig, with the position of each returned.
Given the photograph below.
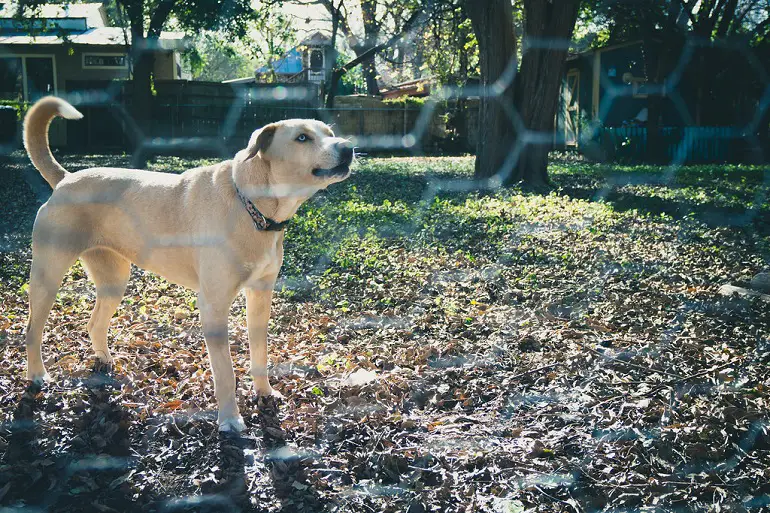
(532, 371)
(688, 378)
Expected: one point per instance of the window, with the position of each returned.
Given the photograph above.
(43, 25)
(11, 79)
(39, 77)
(316, 60)
(105, 61)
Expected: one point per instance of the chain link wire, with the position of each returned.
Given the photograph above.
(269, 469)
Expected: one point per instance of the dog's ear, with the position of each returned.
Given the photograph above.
(260, 141)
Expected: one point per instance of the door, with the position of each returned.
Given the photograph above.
(40, 80)
(572, 108)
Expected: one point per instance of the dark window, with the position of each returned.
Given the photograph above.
(39, 77)
(316, 60)
(11, 84)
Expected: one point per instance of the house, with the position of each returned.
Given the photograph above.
(608, 86)
(309, 63)
(606, 101)
(64, 48)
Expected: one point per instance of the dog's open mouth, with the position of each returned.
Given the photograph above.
(340, 170)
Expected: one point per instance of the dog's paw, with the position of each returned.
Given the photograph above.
(232, 424)
(104, 358)
(265, 390)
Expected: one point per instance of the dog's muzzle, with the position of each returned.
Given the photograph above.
(346, 153)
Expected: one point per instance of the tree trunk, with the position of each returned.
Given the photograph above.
(141, 80)
(370, 74)
(548, 31)
(141, 99)
(331, 64)
(492, 22)
(371, 34)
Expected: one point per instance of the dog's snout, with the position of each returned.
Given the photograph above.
(345, 150)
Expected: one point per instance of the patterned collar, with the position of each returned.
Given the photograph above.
(261, 222)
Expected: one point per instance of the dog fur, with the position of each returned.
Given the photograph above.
(190, 228)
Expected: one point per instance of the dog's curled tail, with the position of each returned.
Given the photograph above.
(36, 124)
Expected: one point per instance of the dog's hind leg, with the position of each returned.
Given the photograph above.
(48, 268)
(110, 273)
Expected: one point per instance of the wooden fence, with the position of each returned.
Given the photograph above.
(194, 117)
(185, 116)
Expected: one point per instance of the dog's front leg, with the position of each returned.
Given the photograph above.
(259, 297)
(214, 313)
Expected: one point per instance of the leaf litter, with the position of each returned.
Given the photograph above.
(456, 352)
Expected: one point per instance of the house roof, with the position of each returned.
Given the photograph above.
(92, 12)
(289, 64)
(96, 32)
(104, 36)
(316, 39)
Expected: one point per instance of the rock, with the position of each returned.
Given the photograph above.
(761, 282)
(730, 290)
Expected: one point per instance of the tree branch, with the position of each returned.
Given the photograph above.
(378, 48)
(159, 18)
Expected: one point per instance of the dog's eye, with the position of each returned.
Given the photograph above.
(302, 138)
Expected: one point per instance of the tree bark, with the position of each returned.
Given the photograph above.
(141, 80)
(548, 31)
(492, 21)
(371, 34)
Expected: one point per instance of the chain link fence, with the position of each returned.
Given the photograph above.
(439, 348)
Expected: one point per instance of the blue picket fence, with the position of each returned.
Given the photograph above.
(681, 144)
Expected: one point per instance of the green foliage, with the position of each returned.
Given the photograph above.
(352, 82)
(214, 60)
(21, 107)
(411, 101)
(450, 49)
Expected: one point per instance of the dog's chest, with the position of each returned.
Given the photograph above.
(266, 261)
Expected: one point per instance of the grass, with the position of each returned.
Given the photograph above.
(529, 351)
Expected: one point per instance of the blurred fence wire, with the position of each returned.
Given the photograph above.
(190, 119)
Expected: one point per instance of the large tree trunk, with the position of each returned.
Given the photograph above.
(141, 100)
(492, 22)
(371, 34)
(370, 74)
(141, 81)
(548, 31)
(143, 47)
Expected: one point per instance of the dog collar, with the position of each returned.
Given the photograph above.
(261, 222)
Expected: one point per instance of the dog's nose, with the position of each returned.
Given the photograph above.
(346, 152)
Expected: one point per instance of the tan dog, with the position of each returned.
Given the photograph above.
(216, 230)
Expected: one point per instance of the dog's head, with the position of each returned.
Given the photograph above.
(301, 153)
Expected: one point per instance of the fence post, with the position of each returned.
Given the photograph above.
(361, 122)
(404, 132)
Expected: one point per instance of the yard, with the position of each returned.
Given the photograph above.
(438, 350)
